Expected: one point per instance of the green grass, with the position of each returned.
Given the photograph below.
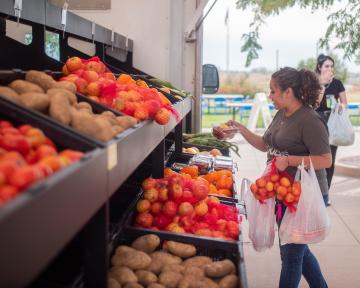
(209, 119)
(353, 96)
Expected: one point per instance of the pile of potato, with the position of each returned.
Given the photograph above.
(175, 266)
(42, 93)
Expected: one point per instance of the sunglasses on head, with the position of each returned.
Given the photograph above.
(322, 58)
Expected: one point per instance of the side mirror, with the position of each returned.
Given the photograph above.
(210, 78)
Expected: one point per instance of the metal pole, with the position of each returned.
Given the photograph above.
(227, 40)
(277, 59)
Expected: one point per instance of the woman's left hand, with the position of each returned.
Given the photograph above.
(281, 162)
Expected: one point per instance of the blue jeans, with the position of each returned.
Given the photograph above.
(326, 199)
(298, 260)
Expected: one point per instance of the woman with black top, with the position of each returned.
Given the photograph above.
(334, 90)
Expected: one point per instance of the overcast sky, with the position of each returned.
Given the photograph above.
(294, 32)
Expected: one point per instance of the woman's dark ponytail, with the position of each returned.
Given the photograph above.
(310, 87)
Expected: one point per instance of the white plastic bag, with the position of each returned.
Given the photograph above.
(341, 132)
(310, 223)
(261, 217)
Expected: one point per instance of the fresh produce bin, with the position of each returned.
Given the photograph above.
(184, 158)
(203, 248)
(7, 76)
(143, 137)
(224, 151)
(129, 216)
(37, 224)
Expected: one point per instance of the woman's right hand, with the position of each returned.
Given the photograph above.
(235, 124)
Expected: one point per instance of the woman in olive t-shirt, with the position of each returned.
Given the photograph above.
(296, 133)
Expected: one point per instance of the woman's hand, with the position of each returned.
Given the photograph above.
(326, 77)
(281, 162)
(233, 123)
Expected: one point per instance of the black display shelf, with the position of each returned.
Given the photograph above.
(130, 149)
(127, 221)
(183, 107)
(37, 224)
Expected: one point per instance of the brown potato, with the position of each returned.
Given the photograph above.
(40, 78)
(123, 275)
(9, 94)
(117, 129)
(134, 260)
(156, 285)
(22, 86)
(112, 283)
(180, 249)
(170, 279)
(89, 125)
(126, 121)
(178, 268)
(155, 266)
(220, 268)
(60, 108)
(133, 285)
(193, 271)
(187, 281)
(146, 277)
(83, 106)
(166, 258)
(197, 282)
(205, 283)
(37, 101)
(199, 261)
(109, 114)
(229, 281)
(71, 96)
(123, 248)
(106, 131)
(161, 259)
(147, 243)
(70, 86)
(112, 121)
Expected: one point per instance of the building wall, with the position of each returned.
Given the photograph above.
(145, 22)
(157, 29)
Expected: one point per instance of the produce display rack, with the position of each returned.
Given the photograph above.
(71, 214)
(36, 225)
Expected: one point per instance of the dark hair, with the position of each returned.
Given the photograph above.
(304, 83)
(320, 61)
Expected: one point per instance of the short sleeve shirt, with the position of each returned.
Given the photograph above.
(335, 88)
(302, 134)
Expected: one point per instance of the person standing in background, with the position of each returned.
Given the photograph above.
(334, 90)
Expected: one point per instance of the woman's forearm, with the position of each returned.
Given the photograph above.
(319, 161)
(253, 139)
(343, 99)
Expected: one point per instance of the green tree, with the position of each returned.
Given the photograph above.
(309, 64)
(52, 46)
(344, 24)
